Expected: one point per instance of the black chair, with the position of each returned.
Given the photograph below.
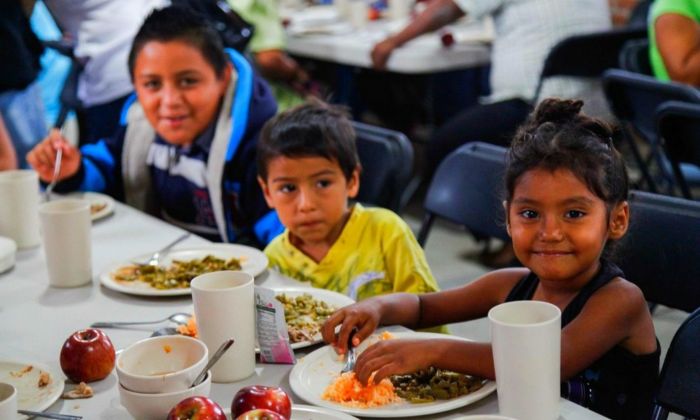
(634, 99)
(387, 165)
(634, 57)
(659, 253)
(679, 383)
(467, 189)
(587, 55)
(679, 127)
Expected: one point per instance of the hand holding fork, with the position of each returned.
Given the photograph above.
(54, 159)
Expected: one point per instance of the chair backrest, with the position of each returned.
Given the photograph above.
(634, 56)
(586, 55)
(467, 189)
(659, 253)
(387, 165)
(679, 382)
(679, 125)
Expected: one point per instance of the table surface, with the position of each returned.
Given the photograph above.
(425, 54)
(36, 319)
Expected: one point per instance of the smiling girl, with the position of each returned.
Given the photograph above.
(186, 148)
(566, 189)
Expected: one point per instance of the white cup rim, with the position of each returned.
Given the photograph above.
(64, 206)
(11, 395)
(160, 338)
(552, 313)
(201, 282)
(14, 175)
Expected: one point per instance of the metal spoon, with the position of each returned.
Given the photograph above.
(179, 318)
(215, 358)
(56, 171)
(164, 331)
(154, 260)
(49, 415)
(350, 361)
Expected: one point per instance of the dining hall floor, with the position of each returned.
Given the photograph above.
(451, 254)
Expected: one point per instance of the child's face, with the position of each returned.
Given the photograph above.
(310, 195)
(178, 89)
(559, 227)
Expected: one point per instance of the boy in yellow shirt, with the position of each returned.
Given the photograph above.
(308, 169)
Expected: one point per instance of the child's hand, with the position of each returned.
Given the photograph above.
(363, 315)
(394, 357)
(43, 157)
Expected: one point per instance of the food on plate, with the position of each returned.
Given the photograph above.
(44, 379)
(197, 408)
(87, 355)
(346, 389)
(261, 414)
(178, 275)
(22, 371)
(189, 329)
(83, 390)
(97, 207)
(304, 315)
(432, 384)
(261, 397)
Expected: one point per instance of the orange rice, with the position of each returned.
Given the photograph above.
(347, 390)
(190, 329)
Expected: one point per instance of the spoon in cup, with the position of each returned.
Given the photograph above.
(215, 358)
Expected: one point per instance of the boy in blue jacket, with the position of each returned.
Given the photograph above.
(186, 148)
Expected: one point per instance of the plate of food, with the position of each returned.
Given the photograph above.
(101, 205)
(38, 386)
(305, 311)
(316, 379)
(178, 267)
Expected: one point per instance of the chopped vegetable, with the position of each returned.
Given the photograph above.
(176, 276)
(432, 384)
(347, 390)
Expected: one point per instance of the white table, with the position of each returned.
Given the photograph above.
(423, 55)
(36, 319)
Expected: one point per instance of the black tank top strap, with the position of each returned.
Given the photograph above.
(524, 289)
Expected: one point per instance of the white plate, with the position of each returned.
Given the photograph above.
(309, 412)
(332, 298)
(313, 373)
(29, 395)
(253, 262)
(95, 198)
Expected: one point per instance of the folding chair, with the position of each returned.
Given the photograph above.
(679, 126)
(659, 253)
(467, 189)
(679, 383)
(387, 165)
(634, 56)
(634, 98)
(587, 55)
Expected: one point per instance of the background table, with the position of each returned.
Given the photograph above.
(36, 319)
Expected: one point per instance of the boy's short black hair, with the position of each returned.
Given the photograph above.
(176, 23)
(308, 130)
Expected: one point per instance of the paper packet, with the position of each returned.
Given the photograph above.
(273, 337)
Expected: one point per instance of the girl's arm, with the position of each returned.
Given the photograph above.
(617, 314)
(678, 39)
(8, 157)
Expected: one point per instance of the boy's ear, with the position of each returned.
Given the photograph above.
(354, 182)
(266, 192)
(505, 210)
(619, 220)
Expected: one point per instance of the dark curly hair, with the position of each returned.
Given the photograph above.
(558, 136)
(308, 130)
(177, 23)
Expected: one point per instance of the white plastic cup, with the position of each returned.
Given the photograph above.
(224, 308)
(526, 343)
(19, 203)
(400, 9)
(65, 227)
(8, 401)
(343, 8)
(357, 11)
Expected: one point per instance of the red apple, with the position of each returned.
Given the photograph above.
(259, 396)
(87, 356)
(261, 414)
(197, 408)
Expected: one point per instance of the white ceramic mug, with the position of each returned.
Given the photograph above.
(526, 342)
(65, 227)
(224, 308)
(8, 401)
(19, 201)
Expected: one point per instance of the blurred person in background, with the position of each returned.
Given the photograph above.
(674, 40)
(8, 157)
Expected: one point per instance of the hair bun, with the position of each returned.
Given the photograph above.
(557, 110)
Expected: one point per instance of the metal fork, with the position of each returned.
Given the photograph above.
(49, 415)
(351, 357)
(154, 260)
(56, 171)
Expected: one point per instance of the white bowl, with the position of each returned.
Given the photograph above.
(162, 364)
(157, 406)
(8, 248)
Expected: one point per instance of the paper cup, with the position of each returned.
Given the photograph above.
(400, 9)
(224, 308)
(8, 401)
(357, 13)
(19, 201)
(526, 342)
(65, 227)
